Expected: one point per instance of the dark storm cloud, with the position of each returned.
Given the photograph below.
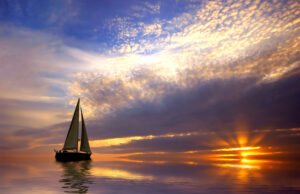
(286, 139)
(212, 108)
(214, 105)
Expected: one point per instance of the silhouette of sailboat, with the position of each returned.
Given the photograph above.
(70, 150)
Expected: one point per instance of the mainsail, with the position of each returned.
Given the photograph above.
(84, 145)
(71, 142)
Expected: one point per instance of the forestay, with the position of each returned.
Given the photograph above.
(71, 142)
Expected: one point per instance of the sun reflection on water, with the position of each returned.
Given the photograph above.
(247, 166)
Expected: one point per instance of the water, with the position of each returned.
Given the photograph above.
(49, 176)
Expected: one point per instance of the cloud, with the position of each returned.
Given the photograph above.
(34, 78)
(126, 140)
(224, 63)
(200, 70)
(214, 105)
(221, 25)
(216, 113)
(123, 80)
(145, 9)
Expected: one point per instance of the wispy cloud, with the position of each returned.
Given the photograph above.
(220, 40)
(198, 70)
(145, 9)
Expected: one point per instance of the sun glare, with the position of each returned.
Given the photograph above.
(238, 149)
(242, 151)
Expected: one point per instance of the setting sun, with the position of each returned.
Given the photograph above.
(149, 96)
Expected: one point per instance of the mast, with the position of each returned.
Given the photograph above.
(71, 141)
(84, 144)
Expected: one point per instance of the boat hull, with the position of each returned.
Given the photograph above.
(72, 156)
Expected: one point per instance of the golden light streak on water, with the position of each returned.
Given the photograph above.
(247, 166)
(120, 174)
(191, 163)
(227, 159)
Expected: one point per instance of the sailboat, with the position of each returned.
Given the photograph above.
(70, 150)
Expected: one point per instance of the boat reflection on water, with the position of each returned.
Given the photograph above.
(103, 175)
(76, 176)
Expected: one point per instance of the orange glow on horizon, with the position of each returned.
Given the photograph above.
(238, 149)
(125, 140)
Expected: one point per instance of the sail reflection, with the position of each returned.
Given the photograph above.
(76, 176)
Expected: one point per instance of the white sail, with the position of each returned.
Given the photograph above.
(84, 145)
(71, 142)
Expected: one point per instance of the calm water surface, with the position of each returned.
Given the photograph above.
(49, 176)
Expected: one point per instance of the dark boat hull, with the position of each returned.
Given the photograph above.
(72, 156)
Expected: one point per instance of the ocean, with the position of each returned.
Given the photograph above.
(128, 177)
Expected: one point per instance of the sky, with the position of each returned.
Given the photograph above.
(171, 76)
